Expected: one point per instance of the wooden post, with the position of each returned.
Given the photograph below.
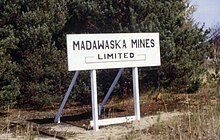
(136, 93)
(94, 100)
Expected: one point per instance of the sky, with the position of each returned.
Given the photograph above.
(208, 12)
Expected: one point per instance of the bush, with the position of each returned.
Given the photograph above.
(9, 82)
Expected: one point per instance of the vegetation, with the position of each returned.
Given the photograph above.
(9, 82)
(198, 117)
(33, 50)
(201, 121)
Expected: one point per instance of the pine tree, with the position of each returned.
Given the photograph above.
(181, 53)
(33, 46)
(43, 68)
(39, 53)
(9, 82)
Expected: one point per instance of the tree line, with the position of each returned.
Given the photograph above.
(33, 60)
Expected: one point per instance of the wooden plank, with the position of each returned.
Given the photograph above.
(94, 100)
(110, 121)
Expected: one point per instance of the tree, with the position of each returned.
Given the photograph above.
(34, 49)
(214, 38)
(37, 27)
(43, 68)
(214, 54)
(9, 82)
(181, 53)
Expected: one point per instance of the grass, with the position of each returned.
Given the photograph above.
(201, 120)
(17, 130)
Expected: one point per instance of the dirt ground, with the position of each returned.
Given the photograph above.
(121, 131)
(35, 124)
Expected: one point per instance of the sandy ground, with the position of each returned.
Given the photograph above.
(119, 131)
(112, 132)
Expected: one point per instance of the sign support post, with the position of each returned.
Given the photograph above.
(109, 51)
(136, 93)
(94, 100)
(110, 90)
(57, 118)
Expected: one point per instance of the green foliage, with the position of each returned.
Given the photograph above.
(194, 86)
(37, 27)
(181, 41)
(33, 48)
(181, 53)
(43, 76)
(9, 82)
(43, 66)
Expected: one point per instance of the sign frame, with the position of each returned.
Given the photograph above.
(112, 50)
(151, 53)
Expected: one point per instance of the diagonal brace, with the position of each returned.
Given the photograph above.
(57, 118)
(110, 90)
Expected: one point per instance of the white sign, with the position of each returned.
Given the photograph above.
(113, 50)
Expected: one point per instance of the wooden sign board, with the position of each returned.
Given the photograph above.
(113, 50)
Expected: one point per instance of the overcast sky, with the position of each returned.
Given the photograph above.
(208, 12)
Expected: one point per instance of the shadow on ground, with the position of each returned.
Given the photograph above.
(64, 119)
(2, 114)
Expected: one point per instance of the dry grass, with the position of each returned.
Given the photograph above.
(201, 120)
